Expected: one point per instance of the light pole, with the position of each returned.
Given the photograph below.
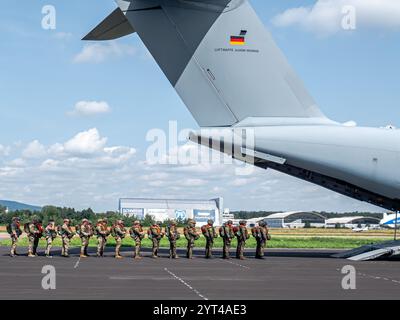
(395, 226)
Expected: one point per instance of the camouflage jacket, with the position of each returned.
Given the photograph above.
(50, 231)
(35, 230)
(86, 230)
(226, 232)
(119, 231)
(209, 232)
(102, 230)
(190, 233)
(137, 233)
(66, 231)
(241, 233)
(16, 229)
(260, 233)
(172, 233)
(155, 232)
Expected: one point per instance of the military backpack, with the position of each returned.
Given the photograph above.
(26, 228)
(9, 228)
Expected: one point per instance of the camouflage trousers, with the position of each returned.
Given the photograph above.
(118, 243)
(172, 249)
(226, 248)
(240, 249)
(84, 245)
(65, 246)
(14, 241)
(138, 245)
(33, 244)
(260, 249)
(101, 245)
(156, 246)
(209, 247)
(49, 245)
(190, 245)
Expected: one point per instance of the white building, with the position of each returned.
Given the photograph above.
(164, 209)
(291, 219)
(352, 222)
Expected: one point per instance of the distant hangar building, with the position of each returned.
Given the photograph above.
(352, 222)
(164, 209)
(294, 219)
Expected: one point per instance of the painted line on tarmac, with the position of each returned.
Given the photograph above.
(77, 263)
(378, 278)
(237, 264)
(186, 284)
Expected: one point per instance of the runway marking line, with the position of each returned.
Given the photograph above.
(237, 264)
(186, 284)
(378, 278)
(77, 263)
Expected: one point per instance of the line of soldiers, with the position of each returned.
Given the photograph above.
(86, 230)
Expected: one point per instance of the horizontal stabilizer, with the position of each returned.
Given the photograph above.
(115, 26)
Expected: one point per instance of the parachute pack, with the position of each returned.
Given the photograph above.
(113, 232)
(9, 228)
(26, 228)
(78, 229)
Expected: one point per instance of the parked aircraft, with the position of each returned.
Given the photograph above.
(227, 69)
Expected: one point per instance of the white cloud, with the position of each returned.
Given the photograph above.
(4, 151)
(90, 108)
(34, 150)
(85, 143)
(99, 52)
(325, 17)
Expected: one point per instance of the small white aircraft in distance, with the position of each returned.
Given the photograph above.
(230, 74)
(366, 228)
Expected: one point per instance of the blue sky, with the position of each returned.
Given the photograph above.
(353, 75)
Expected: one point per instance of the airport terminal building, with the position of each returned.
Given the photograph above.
(164, 209)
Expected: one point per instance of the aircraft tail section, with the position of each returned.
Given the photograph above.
(115, 26)
(220, 59)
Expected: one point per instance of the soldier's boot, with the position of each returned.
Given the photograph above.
(154, 253)
(117, 254)
(137, 253)
(82, 255)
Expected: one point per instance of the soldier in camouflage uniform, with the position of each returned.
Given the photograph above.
(85, 232)
(155, 234)
(34, 235)
(119, 234)
(15, 232)
(137, 235)
(173, 235)
(191, 236)
(102, 233)
(242, 236)
(66, 235)
(227, 234)
(209, 233)
(261, 234)
(50, 233)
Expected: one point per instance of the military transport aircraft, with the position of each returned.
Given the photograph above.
(230, 74)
